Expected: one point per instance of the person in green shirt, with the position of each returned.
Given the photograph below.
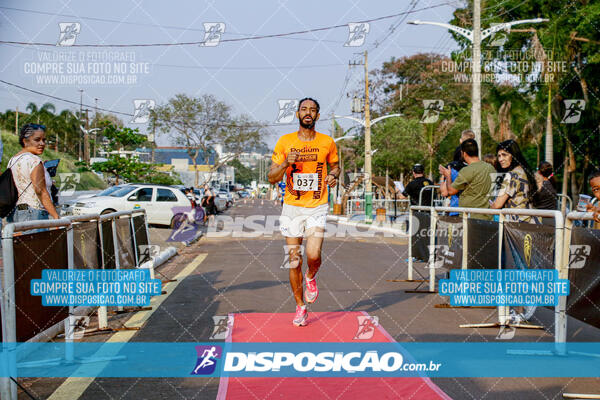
(473, 181)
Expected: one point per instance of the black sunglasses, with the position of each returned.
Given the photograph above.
(35, 127)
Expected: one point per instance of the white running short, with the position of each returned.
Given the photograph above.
(294, 220)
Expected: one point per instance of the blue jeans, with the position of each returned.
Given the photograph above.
(31, 214)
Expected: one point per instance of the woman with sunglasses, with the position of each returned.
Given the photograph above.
(31, 178)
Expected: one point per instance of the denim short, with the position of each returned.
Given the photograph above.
(31, 214)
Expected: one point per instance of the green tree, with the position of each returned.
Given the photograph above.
(404, 86)
(390, 138)
(204, 124)
(567, 47)
(243, 174)
(130, 169)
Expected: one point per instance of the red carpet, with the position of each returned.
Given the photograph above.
(322, 327)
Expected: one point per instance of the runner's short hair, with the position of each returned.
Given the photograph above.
(311, 99)
(470, 147)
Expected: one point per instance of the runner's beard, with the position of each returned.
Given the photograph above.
(307, 126)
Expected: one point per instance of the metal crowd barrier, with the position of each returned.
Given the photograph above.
(354, 206)
(431, 188)
(503, 311)
(569, 226)
(559, 200)
(9, 306)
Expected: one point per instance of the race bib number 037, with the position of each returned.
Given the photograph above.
(306, 182)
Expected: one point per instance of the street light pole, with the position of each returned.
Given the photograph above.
(366, 123)
(86, 138)
(476, 75)
(80, 117)
(475, 37)
(368, 181)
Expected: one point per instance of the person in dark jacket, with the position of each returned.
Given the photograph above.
(414, 187)
(545, 198)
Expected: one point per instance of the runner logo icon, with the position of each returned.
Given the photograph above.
(573, 109)
(431, 111)
(212, 33)
(499, 35)
(142, 108)
(357, 34)
(578, 255)
(148, 252)
(221, 328)
(207, 359)
(366, 327)
(68, 33)
(287, 111)
(68, 183)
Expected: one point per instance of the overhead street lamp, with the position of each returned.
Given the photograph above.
(475, 36)
(366, 123)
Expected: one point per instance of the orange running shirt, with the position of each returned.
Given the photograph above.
(313, 157)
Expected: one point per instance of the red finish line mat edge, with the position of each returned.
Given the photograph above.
(335, 388)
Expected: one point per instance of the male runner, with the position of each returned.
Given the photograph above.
(303, 157)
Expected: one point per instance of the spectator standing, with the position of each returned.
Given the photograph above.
(455, 166)
(491, 159)
(466, 135)
(518, 185)
(517, 191)
(31, 179)
(208, 202)
(473, 181)
(595, 186)
(545, 197)
(413, 189)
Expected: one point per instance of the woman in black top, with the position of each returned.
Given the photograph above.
(545, 198)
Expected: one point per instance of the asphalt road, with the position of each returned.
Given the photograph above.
(243, 275)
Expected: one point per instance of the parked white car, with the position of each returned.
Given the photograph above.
(104, 192)
(164, 205)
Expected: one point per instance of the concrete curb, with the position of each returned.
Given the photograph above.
(194, 239)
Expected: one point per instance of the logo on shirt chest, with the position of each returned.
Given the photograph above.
(306, 157)
(305, 149)
(306, 153)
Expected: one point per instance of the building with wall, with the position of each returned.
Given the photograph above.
(177, 160)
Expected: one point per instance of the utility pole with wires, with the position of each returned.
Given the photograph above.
(367, 124)
(17, 121)
(95, 126)
(86, 137)
(333, 194)
(80, 116)
(476, 86)
(475, 36)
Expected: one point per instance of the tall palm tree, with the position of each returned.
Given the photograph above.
(67, 124)
(33, 111)
(46, 112)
